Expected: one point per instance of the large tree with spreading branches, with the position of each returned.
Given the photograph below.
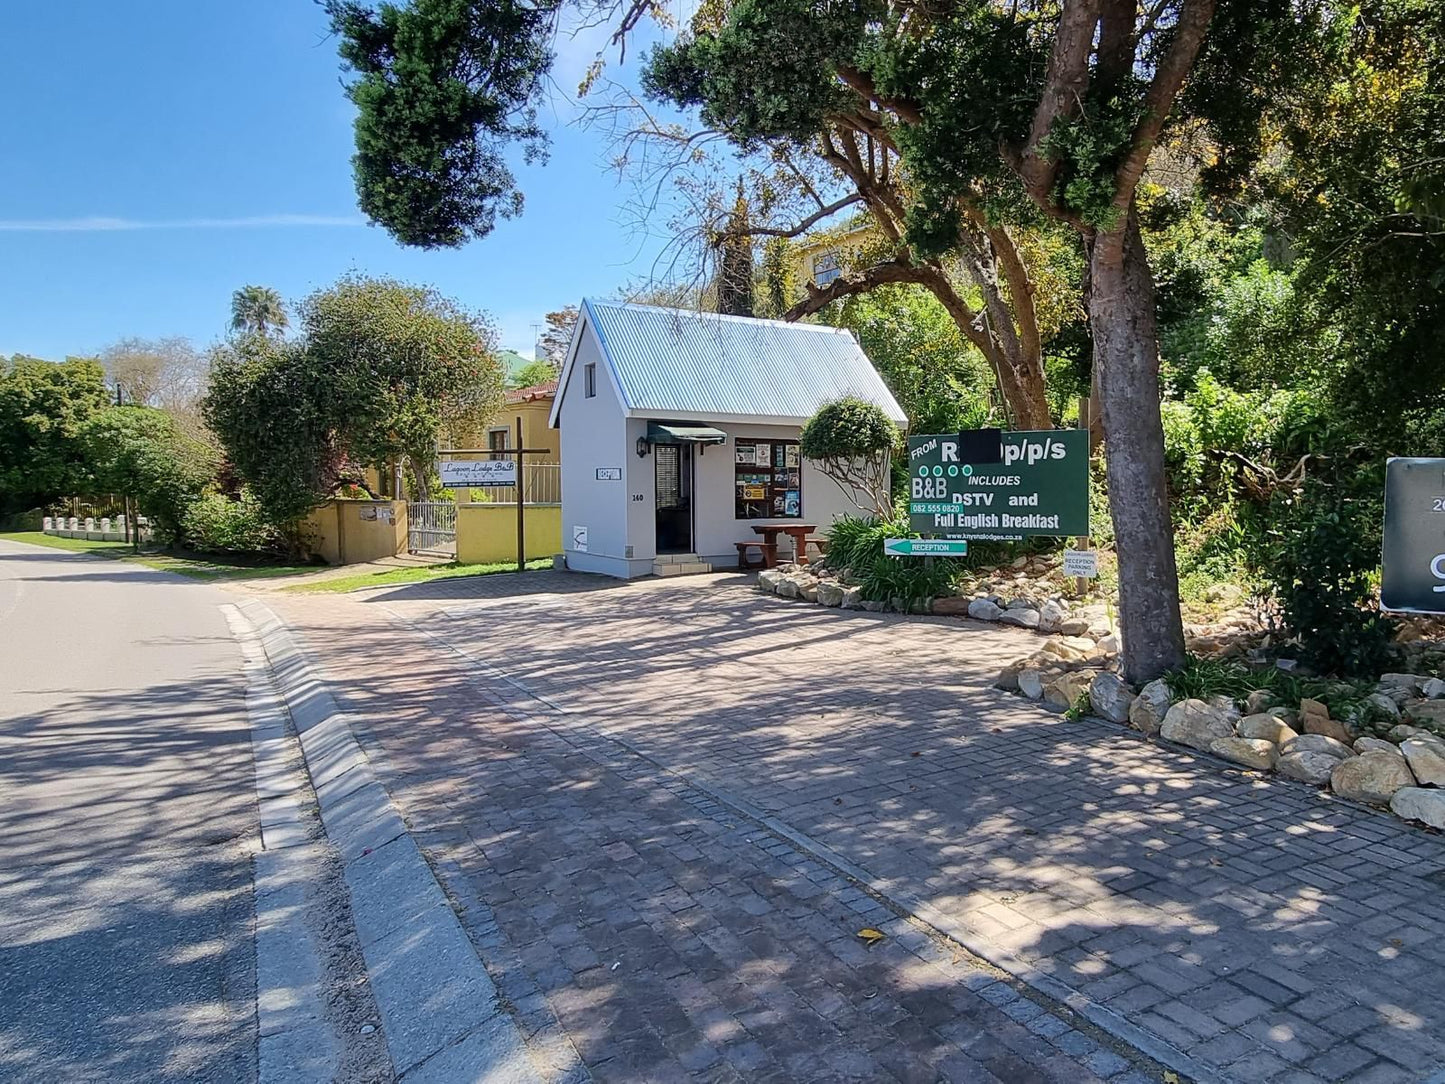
(999, 114)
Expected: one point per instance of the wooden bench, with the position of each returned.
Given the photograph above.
(767, 554)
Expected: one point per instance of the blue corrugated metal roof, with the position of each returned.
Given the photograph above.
(689, 364)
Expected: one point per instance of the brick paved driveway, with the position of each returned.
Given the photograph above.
(1268, 932)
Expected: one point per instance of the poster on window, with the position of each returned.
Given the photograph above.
(754, 493)
(788, 479)
(763, 454)
(791, 458)
(780, 453)
(792, 504)
(745, 454)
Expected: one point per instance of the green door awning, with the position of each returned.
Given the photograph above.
(684, 434)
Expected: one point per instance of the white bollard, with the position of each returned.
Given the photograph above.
(72, 524)
(47, 524)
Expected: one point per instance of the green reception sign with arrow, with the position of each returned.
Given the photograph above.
(925, 547)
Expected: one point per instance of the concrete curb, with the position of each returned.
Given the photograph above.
(441, 1014)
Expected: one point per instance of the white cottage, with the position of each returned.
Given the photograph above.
(679, 433)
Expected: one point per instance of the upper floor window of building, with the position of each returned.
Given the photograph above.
(825, 268)
(589, 377)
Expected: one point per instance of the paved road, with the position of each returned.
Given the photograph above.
(126, 816)
(1269, 931)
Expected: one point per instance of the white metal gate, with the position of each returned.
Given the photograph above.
(431, 527)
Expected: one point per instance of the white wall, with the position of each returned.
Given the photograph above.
(593, 434)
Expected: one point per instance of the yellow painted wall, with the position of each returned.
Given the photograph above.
(487, 533)
(351, 532)
(535, 431)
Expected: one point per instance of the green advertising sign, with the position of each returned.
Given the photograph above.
(1412, 565)
(1040, 486)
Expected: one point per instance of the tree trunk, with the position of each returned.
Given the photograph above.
(421, 475)
(1126, 359)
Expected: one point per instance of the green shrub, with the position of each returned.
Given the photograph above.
(856, 543)
(853, 442)
(1319, 554)
(216, 523)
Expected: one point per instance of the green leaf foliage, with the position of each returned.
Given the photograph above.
(379, 372)
(43, 408)
(849, 428)
(443, 89)
(138, 452)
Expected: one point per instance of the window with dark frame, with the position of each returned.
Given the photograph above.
(768, 479)
(497, 442)
(589, 376)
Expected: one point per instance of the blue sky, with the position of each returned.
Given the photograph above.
(219, 137)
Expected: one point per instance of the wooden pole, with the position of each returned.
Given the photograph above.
(521, 510)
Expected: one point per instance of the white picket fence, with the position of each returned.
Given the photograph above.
(104, 529)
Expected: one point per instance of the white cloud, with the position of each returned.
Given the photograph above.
(100, 224)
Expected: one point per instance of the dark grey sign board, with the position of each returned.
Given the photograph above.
(1412, 575)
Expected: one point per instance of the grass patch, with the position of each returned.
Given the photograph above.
(396, 576)
(196, 566)
(74, 545)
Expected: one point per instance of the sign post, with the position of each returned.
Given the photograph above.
(1412, 562)
(491, 472)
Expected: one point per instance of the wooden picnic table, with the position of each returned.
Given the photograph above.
(798, 532)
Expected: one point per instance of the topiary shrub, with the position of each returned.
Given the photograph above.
(853, 442)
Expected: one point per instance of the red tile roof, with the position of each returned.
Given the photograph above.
(533, 393)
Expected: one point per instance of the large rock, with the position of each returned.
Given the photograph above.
(1063, 692)
(1227, 705)
(1426, 711)
(852, 598)
(1196, 724)
(1315, 723)
(1376, 745)
(1147, 712)
(1008, 677)
(830, 593)
(951, 606)
(808, 589)
(1258, 701)
(1023, 618)
(1419, 804)
(1266, 727)
(1384, 704)
(1307, 767)
(1075, 626)
(1433, 689)
(1372, 777)
(1110, 644)
(788, 587)
(1031, 683)
(1110, 697)
(1400, 731)
(1251, 752)
(1051, 617)
(982, 609)
(1427, 759)
(768, 580)
(1317, 743)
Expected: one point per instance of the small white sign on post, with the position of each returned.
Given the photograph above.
(457, 473)
(1081, 563)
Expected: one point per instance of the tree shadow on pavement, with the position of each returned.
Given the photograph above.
(1256, 924)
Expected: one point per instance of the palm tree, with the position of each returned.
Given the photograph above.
(259, 310)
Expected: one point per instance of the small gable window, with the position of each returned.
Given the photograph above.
(589, 379)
